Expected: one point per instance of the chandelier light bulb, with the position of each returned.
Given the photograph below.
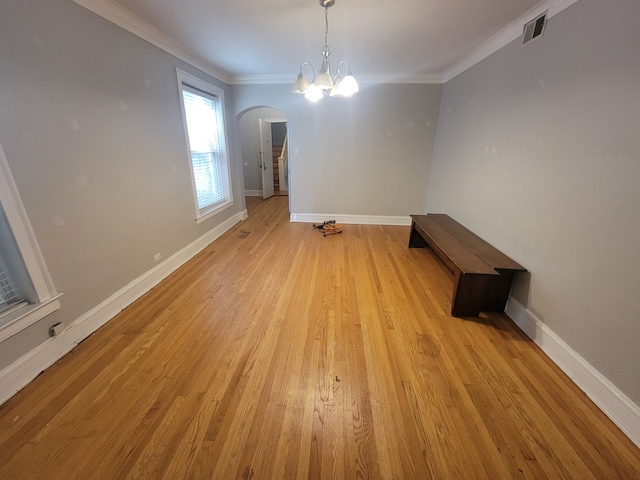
(349, 85)
(314, 93)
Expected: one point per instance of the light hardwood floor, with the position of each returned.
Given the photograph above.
(279, 353)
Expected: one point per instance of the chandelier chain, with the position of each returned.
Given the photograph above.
(326, 26)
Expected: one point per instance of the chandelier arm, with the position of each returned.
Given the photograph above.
(313, 69)
(338, 71)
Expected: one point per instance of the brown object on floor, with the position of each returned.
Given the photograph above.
(331, 229)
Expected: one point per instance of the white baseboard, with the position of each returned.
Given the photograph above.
(253, 193)
(350, 219)
(22, 371)
(615, 404)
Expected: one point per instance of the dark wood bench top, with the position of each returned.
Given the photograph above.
(494, 257)
(459, 254)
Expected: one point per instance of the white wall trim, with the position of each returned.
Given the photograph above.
(363, 79)
(44, 299)
(25, 238)
(350, 219)
(119, 15)
(28, 315)
(186, 81)
(615, 404)
(506, 36)
(22, 371)
(275, 119)
(253, 193)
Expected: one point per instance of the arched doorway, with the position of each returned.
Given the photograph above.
(263, 138)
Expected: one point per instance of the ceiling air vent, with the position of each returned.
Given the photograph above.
(535, 28)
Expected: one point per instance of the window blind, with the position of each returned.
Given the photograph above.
(9, 294)
(203, 129)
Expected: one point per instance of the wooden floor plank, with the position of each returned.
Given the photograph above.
(279, 353)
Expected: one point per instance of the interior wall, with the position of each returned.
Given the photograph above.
(365, 155)
(538, 152)
(91, 126)
(278, 132)
(249, 133)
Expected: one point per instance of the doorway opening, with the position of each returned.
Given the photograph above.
(274, 154)
(265, 152)
(280, 158)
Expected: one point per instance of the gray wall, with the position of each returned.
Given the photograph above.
(278, 133)
(249, 133)
(366, 155)
(538, 151)
(91, 127)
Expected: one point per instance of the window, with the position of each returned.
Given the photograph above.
(27, 293)
(12, 293)
(203, 116)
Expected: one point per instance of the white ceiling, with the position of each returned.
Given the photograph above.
(395, 40)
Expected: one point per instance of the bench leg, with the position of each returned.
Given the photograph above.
(497, 291)
(468, 295)
(415, 239)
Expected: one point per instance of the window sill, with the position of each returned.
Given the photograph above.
(217, 209)
(26, 316)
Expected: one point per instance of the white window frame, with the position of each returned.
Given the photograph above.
(47, 297)
(189, 80)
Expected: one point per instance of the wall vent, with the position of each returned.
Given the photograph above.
(535, 28)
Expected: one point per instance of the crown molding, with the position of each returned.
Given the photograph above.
(362, 79)
(263, 79)
(402, 78)
(506, 36)
(117, 14)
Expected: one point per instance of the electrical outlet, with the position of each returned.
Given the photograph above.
(157, 257)
(56, 329)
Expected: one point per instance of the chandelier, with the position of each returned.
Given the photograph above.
(342, 84)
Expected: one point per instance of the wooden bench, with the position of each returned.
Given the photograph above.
(498, 288)
(482, 274)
